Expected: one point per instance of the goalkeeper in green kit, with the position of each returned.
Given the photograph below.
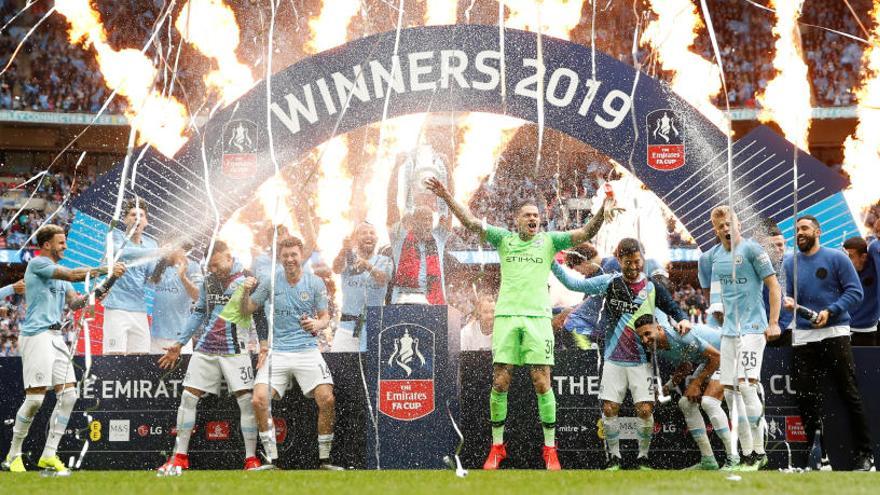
(522, 332)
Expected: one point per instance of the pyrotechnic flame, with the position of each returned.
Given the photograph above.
(210, 26)
(239, 237)
(274, 195)
(484, 138)
(159, 120)
(672, 36)
(334, 195)
(861, 150)
(557, 18)
(329, 28)
(786, 100)
(438, 12)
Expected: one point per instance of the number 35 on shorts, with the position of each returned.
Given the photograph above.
(749, 359)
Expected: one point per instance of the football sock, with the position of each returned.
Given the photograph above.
(497, 414)
(23, 419)
(696, 425)
(186, 419)
(58, 421)
(716, 414)
(547, 413)
(646, 431)
(755, 412)
(325, 445)
(248, 423)
(611, 425)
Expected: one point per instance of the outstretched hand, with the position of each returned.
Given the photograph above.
(169, 359)
(435, 186)
(610, 208)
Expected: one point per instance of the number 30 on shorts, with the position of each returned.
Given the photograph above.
(247, 373)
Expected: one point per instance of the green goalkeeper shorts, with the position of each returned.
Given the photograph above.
(520, 340)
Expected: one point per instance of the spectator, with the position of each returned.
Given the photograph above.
(476, 335)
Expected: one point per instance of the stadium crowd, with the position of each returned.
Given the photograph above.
(60, 77)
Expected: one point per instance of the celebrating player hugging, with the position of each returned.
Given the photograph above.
(628, 296)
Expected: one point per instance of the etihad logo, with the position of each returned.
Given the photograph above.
(523, 259)
(623, 306)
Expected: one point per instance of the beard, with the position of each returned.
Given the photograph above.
(805, 243)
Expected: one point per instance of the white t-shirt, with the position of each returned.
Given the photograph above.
(801, 337)
(472, 339)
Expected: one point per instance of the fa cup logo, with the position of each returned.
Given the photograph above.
(406, 353)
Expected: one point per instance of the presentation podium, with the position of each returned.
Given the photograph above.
(410, 382)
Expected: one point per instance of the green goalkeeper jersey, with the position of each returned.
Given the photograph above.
(525, 266)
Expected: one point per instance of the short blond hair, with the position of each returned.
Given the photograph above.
(723, 211)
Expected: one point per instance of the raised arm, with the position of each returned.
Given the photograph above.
(591, 228)
(460, 211)
(248, 305)
(339, 260)
(592, 286)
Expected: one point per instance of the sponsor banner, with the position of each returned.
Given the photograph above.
(411, 382)
(794, 429)
(580, 435)
(120, 430)
(133, 404)
(27, 117)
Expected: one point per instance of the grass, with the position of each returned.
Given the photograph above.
(418, 482)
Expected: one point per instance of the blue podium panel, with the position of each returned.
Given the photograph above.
(410, 382)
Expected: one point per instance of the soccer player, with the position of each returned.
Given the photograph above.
(746, 328)
(300, 312)
(628, 295)
(866, 260)
(44, 356)
(219, 355)
(365, 276)
(774, 243)
(696, 356)
(126, 328)
(522, 332)
(176, 282)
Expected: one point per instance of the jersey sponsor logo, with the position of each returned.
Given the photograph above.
(120, 430)
(725, 279)
(217, 299)
(406, 372)
(666, 147)
(240, 145)
(217, 430)
(523, 259)
(622, 306)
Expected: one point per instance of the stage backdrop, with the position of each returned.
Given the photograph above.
(627, 115)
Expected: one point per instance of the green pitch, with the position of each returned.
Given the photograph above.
(433, 482)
